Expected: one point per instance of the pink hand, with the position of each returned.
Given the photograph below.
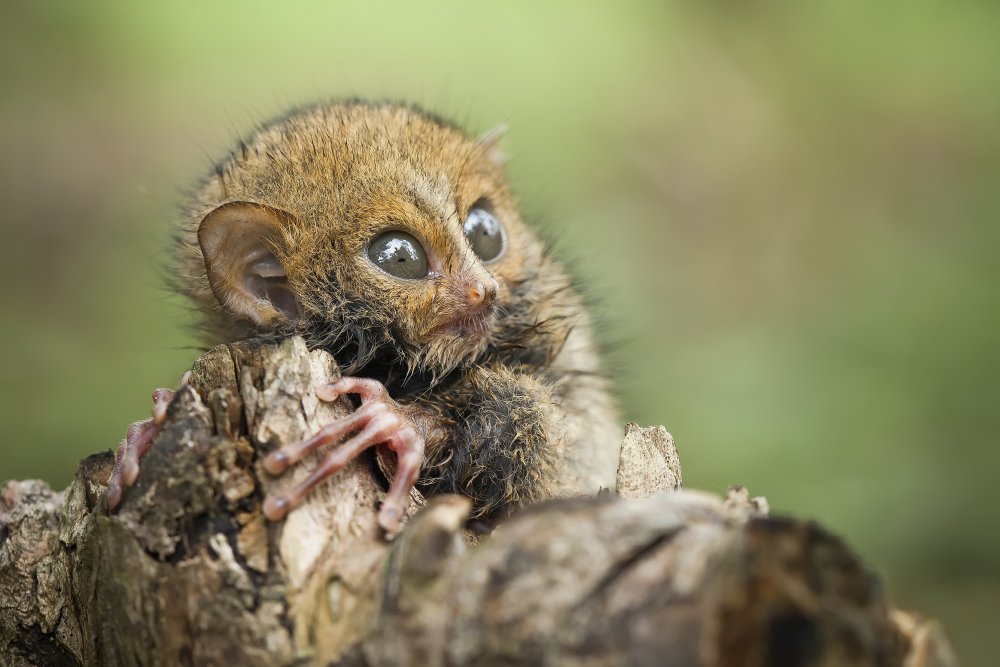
(379, 420)
(137, 442)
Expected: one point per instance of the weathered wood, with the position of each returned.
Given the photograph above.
(189, 573)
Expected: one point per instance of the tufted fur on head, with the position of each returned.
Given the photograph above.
(274, 242)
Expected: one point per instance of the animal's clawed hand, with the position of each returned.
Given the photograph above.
(378, 421)
(136, 443)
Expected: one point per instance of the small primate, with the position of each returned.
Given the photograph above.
(391, 239)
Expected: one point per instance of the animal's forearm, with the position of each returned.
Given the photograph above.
(502, 436)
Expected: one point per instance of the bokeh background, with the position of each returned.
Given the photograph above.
(788, 212)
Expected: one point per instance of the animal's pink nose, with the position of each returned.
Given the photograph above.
(480, 293)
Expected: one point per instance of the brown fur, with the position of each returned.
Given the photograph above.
(515, 415)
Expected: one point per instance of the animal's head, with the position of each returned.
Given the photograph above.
(372, 230)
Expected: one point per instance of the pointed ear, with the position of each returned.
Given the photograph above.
(490, 142)
(238, 240)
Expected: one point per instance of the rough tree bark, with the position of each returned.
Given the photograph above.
(189, 573)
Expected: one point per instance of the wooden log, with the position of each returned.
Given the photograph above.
(189, 573)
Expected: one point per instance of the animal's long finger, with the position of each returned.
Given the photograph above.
(115, 483)
(161, 401)
(378, 430)
(279, 460)
(139, 437)
(368, 390)
(410, 449)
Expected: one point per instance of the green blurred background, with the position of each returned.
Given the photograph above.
(789, 211)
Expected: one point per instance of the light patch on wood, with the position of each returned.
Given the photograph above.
(648, 463)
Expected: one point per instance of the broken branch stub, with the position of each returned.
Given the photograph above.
(189, 572)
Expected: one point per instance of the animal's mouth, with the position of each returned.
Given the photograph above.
(474, 325)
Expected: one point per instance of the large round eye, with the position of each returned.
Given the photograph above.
(398, 254)
(485, 233)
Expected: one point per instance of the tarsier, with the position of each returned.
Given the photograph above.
(391, 239)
